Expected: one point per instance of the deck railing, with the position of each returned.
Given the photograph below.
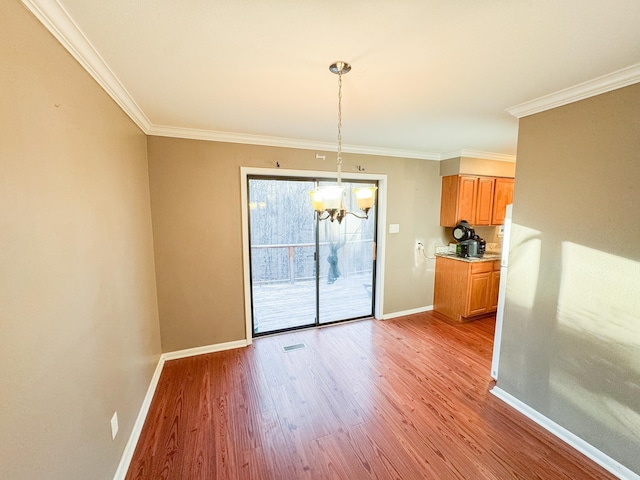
(290, 263)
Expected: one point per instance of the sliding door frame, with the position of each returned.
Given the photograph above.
(381, 206)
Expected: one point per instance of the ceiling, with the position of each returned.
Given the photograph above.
(429, 79)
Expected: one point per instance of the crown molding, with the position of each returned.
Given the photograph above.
(392, 152)
(606, 83)
(500, 157)
(56, 19)
(250, 139)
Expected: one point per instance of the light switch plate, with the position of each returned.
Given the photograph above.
(394, 228)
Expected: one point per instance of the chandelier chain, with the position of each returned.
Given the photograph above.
(339, 160)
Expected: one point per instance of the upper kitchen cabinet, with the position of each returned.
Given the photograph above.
(479, 200)
(503, 196)
(484, 201)
(458, 201)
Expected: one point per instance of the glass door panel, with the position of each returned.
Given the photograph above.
(282, 242)
(346, 263)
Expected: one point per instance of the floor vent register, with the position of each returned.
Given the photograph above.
(297, 346)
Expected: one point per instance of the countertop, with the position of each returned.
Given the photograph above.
(487, 257)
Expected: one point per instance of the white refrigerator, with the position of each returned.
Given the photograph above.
(504, 264)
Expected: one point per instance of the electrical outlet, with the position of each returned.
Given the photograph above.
(419, 246)
(114, 425)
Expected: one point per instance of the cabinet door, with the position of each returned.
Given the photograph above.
(484, 202)
(450, 290)
(495, 288)
(458, 200)
(449, 201)
(479, 291)
(503, 196)
(467, 191)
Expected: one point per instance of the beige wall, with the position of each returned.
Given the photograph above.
(79, 336)
(571, 339)
(195, 197)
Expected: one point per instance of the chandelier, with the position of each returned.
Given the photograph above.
(327, 200)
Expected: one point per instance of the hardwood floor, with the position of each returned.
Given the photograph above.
(397, 399)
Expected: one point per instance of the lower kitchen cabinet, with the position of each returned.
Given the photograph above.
(466, 290)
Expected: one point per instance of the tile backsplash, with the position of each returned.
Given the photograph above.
(493, 247)
(451, 248)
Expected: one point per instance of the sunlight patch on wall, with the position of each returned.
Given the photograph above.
(596, 369)
(596, 404)
(600, 295)
(524, 266)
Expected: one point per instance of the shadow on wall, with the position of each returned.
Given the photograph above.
(574, 339)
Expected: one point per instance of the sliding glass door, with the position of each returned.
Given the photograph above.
(306, 272)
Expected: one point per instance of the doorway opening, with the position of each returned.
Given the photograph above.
(305, 272)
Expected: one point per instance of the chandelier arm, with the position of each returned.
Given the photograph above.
(320, 215)
(361, 217)
(333, 214)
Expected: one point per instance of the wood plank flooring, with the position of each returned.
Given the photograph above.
(397, 399)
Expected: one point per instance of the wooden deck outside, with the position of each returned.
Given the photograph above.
(279, 306)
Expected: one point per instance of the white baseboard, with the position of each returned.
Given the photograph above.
(127, 455)
(566, 436)
(217, 347)
(388, 316)
(130, 448)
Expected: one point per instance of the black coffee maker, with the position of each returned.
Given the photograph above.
(469, 244)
